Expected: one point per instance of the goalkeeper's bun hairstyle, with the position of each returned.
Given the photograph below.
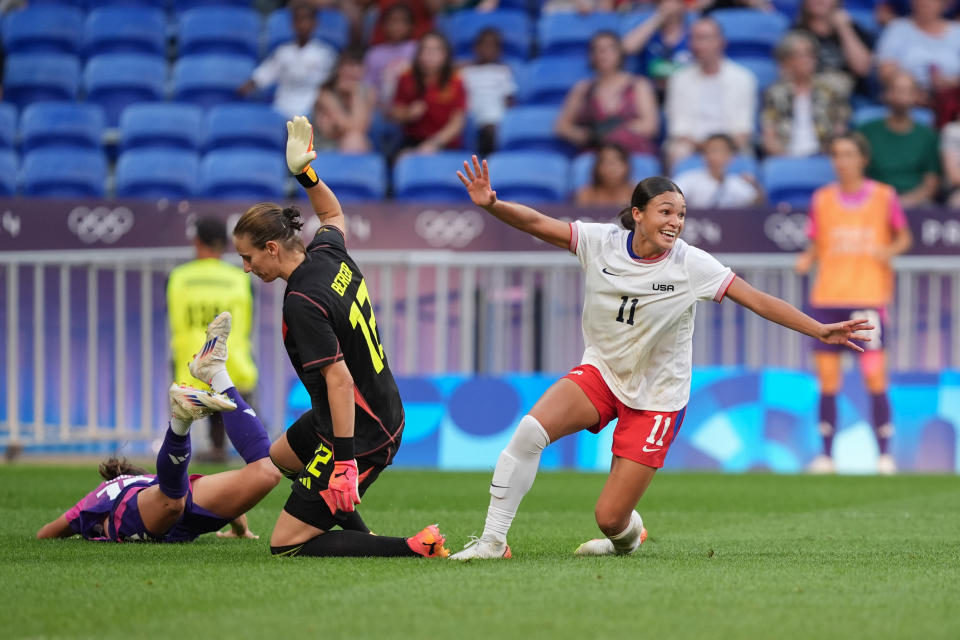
(268, 221)
(114, 467)
(645, 191)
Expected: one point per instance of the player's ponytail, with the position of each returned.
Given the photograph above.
(626, 218)
(645, 191)
(267, 222)
(114, 467)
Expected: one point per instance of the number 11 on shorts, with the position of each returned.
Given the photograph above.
(657, 420)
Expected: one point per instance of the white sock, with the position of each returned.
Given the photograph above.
(180, 426)
(221, 381)
(629, 539)
(513, 477)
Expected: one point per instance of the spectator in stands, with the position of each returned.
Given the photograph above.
(421, 14)
(610, 182)
(843, 54)
(713, 95)
(950, 155)
(925, 45)
(905, 152)
(385, 62)
(430, 101)
(714, 186)
(344, 108)
(580, 6)
(490, 88)
(614, 106)
(802, 111)
(297, 68)
(663, 40)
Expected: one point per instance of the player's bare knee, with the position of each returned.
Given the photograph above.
(610, 522)
(266, 472)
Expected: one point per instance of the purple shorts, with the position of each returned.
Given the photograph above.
(829, 315)
(126, 525)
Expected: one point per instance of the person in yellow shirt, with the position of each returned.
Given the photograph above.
(196, 292)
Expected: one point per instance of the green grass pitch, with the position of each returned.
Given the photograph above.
(748, 556)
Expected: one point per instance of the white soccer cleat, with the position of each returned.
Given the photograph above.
(187, 403)
(886, 465)
(822, 465)
(604, 546)
(212, 357)
(480, 549)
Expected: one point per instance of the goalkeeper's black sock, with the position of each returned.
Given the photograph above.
(352, 522)
(348, 544)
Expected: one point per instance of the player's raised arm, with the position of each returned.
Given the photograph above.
(300, 154)
(477, 182)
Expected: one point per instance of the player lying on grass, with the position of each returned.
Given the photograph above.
(335, 451)
(642, 285)
(172, 506)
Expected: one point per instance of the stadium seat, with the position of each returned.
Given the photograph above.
(530, 128)
(245, 125)
(8, 125)
(462, 28)
(765, 70)
(64, 124)
(739, 164)
(332, 28)
(117, 80)
(793, 180)
(31, 77)
(642, 166)
(530, 176)
(184, 5)
(43, 29)
(550, 78)
(870, 112)
(80, 173)
(430, 177)
(242, 174)
(157, 173)
(569, 33)
(8, 172)
(750, 32)
(208, 80)
(219, 30)
(126, 30)
(866, 19)
(353, 177)
(161, 124)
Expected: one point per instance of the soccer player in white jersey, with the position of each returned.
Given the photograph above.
(642, 286)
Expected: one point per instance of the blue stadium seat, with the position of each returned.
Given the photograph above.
(332, 28)
(550, 78)
(462, 27)
(641, 166)
(869, 112)
(30, 77)
(866, 19)
(185, 5)
(64, 124)
(430, 178)
(765, 70)
(80, 173)
(8, 125)
(126, 30)
(157, 173)
(793, 180)
(43, 29)
(740, 164)
(241, 174)
(208, 80)
(530, 176)
(568, 33)
(117, 80)
(750, 32)
(530, 128)
(353, 177)
(8, 172)
(245, 125)
(161, 124)
(219, 30)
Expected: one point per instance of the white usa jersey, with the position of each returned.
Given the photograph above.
(638, 314)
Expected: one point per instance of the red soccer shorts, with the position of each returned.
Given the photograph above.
(641, 436)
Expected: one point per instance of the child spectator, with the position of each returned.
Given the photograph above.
(714, 186)
(385, 62)
(344, 108)
(611, 181)
(490, 88)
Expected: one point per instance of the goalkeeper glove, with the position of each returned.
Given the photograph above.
(342, 492)
(300, 151)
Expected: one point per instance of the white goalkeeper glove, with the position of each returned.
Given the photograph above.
(300, 151)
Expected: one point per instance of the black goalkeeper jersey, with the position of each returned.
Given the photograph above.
(327, 317)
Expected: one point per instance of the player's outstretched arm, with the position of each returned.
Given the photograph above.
(477, 182)
(785, 314)
(58, 528)
(300, 154)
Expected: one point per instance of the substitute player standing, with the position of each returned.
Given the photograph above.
(642, 285)
(335, 451)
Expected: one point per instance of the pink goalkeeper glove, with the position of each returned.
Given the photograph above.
(342, 492)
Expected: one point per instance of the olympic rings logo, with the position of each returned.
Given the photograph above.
(787, 230)
(449, 228)
(100, 223)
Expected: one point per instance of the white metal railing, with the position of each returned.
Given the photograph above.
(87, 356)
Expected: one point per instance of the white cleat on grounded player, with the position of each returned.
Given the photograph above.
(886, 465)
(482, 549)
(604, 546)
(212, 357)
(822, 465)
(189, 404)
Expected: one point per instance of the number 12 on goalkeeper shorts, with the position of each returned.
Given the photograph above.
(321, 458)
